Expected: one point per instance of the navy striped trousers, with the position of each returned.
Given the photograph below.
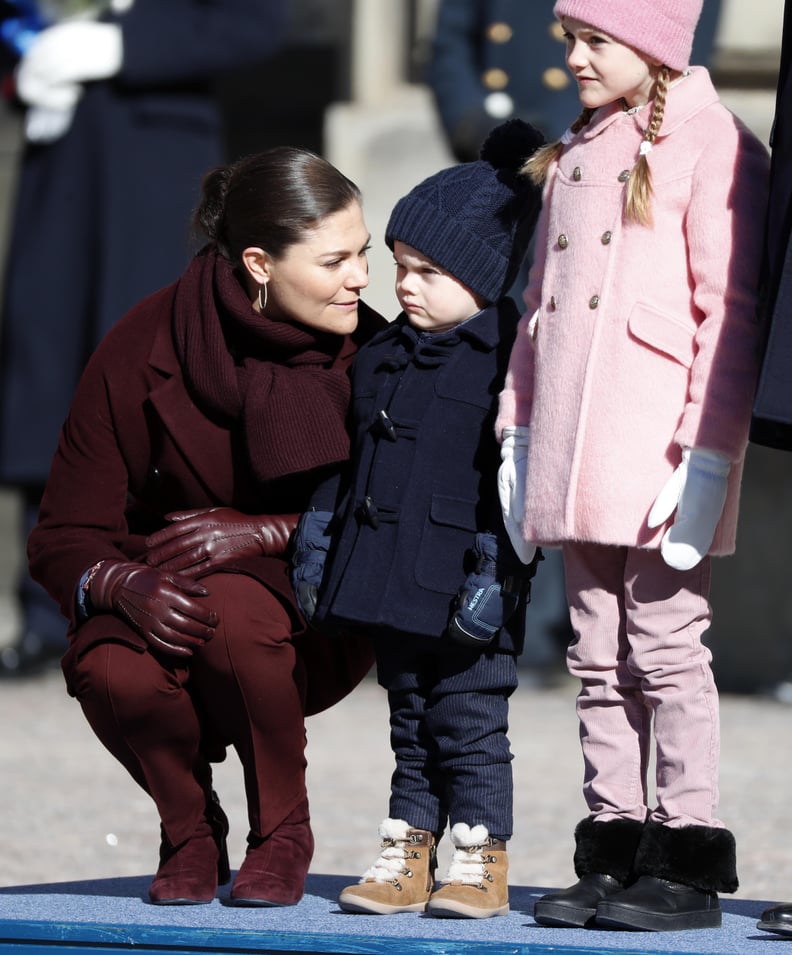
(448, 725)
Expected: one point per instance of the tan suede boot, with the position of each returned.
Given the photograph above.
(476, 886)
(402, 878)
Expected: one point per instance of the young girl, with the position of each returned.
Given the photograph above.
(627, 403)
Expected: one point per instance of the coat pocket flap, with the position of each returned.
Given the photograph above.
(664, 333)
(453, 512)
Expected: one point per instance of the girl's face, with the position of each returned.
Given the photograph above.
(605, 69)
(432, 298)
(317, 282)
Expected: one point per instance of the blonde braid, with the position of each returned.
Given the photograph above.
(638, 202)
(537, 165)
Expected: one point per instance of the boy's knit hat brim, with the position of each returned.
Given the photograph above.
(661, 29)
(475, 219)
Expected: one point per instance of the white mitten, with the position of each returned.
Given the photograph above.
(68, 53)
(512, 477)
(697, 491)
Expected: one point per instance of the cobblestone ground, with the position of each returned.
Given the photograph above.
(70, 813)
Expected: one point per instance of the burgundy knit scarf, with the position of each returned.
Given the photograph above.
(283, 387)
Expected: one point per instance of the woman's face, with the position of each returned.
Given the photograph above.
(317, 282)
(605, 69)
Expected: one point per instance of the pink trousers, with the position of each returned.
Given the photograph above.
(644, 674)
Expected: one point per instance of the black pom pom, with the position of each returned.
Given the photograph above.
(510, 144)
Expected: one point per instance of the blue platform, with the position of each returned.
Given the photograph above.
(112, 915)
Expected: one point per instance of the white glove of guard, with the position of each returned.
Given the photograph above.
(697, 490)
(49, 77)
(512, 477)
(45, 124)
(76, 51)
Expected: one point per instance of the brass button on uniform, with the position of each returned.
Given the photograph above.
(606, 237)
(624, 175)
(563, 241)
(594, 301)
(577, 173)
(495, 79)
(556, 79)
(499, 32)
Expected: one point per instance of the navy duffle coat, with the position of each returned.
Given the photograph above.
(423, 475)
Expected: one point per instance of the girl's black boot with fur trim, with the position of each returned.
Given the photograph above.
(680, 872)
(604, 854)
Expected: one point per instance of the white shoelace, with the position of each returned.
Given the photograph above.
(391, 863)
(467, 866)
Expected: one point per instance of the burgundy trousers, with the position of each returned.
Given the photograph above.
(250, 686)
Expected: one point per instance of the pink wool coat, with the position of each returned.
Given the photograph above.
(644, 340)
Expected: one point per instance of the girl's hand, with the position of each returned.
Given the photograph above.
(697, 491)
(512, 477)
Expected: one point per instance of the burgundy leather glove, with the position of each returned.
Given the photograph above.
(159, 606)
(197, 542)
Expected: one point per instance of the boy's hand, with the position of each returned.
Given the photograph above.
(484, 603)
(311, 544)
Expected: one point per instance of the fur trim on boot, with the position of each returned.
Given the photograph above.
(699, 856)
(401, 879)
(607, 847)
(476, 886)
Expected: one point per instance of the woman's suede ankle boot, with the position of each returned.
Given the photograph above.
(190, 872)
(275, 866)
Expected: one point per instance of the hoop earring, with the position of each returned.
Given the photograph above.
(262, 305)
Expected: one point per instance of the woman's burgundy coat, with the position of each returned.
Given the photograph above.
(135, 447)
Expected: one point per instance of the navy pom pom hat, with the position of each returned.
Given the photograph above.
(475, 220)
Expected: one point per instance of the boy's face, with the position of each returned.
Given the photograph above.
(431, 297)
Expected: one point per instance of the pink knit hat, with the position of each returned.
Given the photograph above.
(661, 29)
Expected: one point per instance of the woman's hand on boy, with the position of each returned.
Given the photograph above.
(199, 541)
